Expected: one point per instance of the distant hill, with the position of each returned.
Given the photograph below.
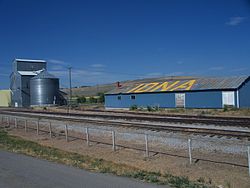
(88, 91)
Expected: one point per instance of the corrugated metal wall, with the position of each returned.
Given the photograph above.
(164, 100)
(244, 95)
(207, 99)
(16, 91)
(29, 66)
(201, 99)
(20, 90)
(25, 85)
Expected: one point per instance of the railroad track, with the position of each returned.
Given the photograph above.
(131, 116)
(240, 134)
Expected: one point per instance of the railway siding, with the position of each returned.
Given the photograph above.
(222, 130)
(132, 116)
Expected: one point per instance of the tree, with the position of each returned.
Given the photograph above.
(92, 100)
(81, 99)
(101, 98)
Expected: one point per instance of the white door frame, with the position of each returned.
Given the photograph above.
(184, 100)
(228, 98)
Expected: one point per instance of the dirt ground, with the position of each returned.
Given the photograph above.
(220, 174)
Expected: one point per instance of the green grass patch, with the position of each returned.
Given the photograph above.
(19, 145)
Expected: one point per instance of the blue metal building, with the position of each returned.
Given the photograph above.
(182, 92)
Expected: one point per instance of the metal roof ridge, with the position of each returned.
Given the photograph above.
(30, 60)
(43, 74)
(34, 73)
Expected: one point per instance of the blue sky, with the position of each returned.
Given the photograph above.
(107, 41)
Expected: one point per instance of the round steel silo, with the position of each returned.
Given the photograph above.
(44, 90)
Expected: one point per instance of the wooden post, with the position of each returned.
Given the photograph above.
(37, 130)
(25, 125)
(113, 140)
(248, 154)
(50, 131)
(8, 121)
(146, 144)
(15, 122)
(66, 132)
(87, 135)
(190, 150)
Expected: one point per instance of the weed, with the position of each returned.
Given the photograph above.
(202, 113)
(228, 185)
(201, 180)
(152, 178)
(226, 108)
(140, 175)
(210, 181)
(177, 110)
(106, 170)
(96, 163)
(178, 181)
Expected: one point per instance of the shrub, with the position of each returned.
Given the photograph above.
(149, 108)
(154, 108)
(133, 107)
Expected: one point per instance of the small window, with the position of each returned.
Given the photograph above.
(119, 98)
(132, 97)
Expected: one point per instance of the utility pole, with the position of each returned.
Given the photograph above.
(70, 90)
(70, 87)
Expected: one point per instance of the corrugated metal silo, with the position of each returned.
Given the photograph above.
(44, 90)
